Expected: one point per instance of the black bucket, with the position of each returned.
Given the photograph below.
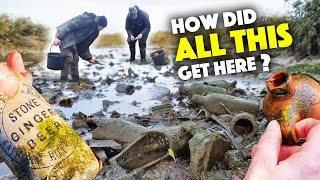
(158, 57)
(55, 60)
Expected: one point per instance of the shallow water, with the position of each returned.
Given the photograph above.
(115, 65)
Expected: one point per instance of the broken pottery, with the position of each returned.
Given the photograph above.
(291, 98)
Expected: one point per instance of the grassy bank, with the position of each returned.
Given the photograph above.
(21, 34)
(105, 40)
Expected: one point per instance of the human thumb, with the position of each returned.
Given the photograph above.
(265, 153)
(8, 82)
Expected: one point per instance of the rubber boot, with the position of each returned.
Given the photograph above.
(143, 55)
(132, 54)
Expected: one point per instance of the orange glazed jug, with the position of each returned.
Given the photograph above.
(291, 98)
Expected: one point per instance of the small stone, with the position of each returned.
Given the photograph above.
(125, 88)
(61, 114)
(115, 114)
(66, 102)
(79, 123)
(134, 103)
(98, 114)
(103, 144)
(100, 153)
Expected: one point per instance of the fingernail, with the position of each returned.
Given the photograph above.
(273, 124)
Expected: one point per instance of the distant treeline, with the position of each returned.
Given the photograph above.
(21, 34)
(305, 23)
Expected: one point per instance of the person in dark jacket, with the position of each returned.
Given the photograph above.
(74, 38)
(138, 28)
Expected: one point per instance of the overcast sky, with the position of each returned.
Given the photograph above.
(54, 12)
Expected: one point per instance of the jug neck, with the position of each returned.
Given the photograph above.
(281, 85)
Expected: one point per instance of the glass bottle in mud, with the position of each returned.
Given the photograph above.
(36, 143)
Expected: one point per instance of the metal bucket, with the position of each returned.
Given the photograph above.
(55, 60)
(158, 57)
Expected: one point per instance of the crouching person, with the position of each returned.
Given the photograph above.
(74, 38)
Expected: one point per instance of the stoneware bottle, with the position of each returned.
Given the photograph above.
(291, 98)
(36, 143)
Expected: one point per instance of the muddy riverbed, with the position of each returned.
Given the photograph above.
(149, 96)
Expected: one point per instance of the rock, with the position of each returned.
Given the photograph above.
(166, 74)
(94, 73)
(82, 86)
(100, 153)
(100, 95)
(93, 143)
(223, 84)
(79, 123)
(66, 102)
(139, 87)
(108, 81)
(151, 79)
(219, 104)
(107, 103)
(232, 159)
(115, 114)
(162, 108)
(125, 88)
(118, 130)
(61, 114)
(87, 95)
(98, 114)
(131, 73)
(50, 97)
(206, 149)
(200, 89)
(83, 121)
(134, 103)
(238, 92)
(159, 92)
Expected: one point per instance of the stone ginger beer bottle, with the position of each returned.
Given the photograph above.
(37, 143)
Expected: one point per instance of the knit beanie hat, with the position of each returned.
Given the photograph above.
(102, 21)
(133, 12)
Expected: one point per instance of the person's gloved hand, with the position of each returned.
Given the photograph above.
(8, 81)
(93, 61)
(132, 38)
(271, 160)
(57, 42)
(139, 36)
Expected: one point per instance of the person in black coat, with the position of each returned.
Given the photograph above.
(138, 28)
(74, 38)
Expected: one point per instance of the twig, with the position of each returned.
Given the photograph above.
(225, 108)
